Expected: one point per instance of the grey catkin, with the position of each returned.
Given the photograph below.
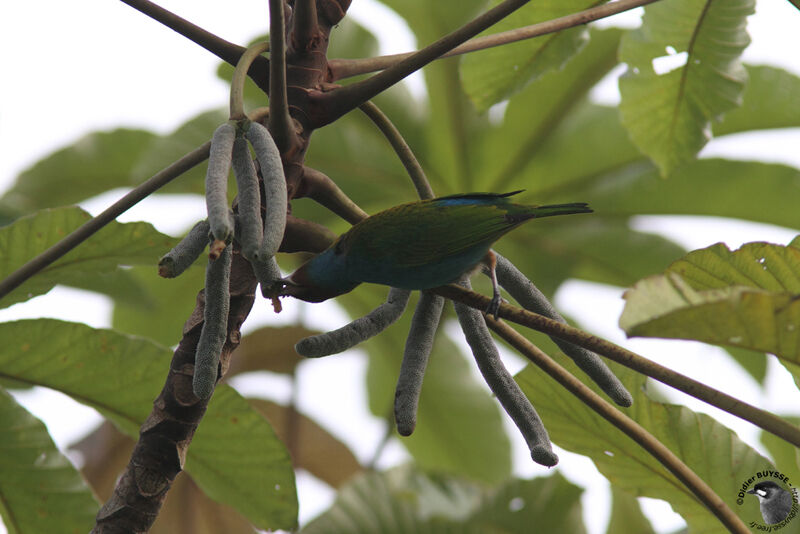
(215, 324)
(185, 252)
(502, 384)
(275, 195)
(250, 230)
(415, 360)
(220, 216)
(357, 331)
(530, 298)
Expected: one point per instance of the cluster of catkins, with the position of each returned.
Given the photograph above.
(420, 342)
(259, 241)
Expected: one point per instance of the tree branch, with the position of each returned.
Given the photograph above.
(319, 187)
(280, 123)
(83, 232)
(400, 147)
(332, 105)
(166, 434)
(760, 418)
(225, 50)
(345, 68)
(624, 423)
(305, 29)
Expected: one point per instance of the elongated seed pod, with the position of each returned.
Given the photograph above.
(215, 324)
(502, 384)
(415, 360)
(274, 188)
(250, 231)
(359, 330)
(220, 216)
(185, 252)
(530, 298)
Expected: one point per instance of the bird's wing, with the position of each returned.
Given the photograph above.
(418, 234)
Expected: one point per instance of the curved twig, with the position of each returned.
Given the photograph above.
(760, 418)
(400, 147)
(345, 68)
(319, 187)
(280, 123)
(627, 425)
(337, 103)
(238, 79)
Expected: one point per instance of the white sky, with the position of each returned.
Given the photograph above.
(75, 67)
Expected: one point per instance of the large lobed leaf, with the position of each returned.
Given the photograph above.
(492, 75)
(711, 450)
(92, 265)
(747, 298)
(40, 490)
(403, 500)
(669, 114)
(235, 456)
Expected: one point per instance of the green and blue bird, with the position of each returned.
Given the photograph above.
(419, 245)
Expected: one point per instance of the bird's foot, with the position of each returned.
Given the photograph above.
(494, 306)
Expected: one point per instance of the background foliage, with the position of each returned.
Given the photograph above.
(545, 135)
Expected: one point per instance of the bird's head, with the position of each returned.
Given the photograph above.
(322, 277)
(765, 490)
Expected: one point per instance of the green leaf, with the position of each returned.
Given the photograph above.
(711, 450)
(669, 114)
(526, 128)
(88, 266)
(168, 303)
(626, 515)
(41, 490)
(768, 102)
(459, 426)
(492, 75)
(121, 375)
(270, 348)
(403, 500)
(748, 298)
(92, 165)
(786, 455)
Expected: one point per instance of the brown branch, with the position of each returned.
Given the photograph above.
(400, 147)
(332, 105)
(345, 68)
(280, 123)
(225, 50)
(164, 438)
(760, 418)
(624, 423)
(305, 29)
(87, 229)
(305, 236)
(319, 187)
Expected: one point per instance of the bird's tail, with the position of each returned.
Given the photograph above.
(531, 212)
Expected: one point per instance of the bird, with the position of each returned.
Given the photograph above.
(775, 502)
(419, 245)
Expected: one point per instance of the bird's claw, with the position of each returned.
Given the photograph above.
(494, 306)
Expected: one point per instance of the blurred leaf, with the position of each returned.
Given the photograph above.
(459, 426)
(748, 298)
(711, 450)
(626, 515)
(186, 510)
(312, 447)
(92, 265)
(403, 500)
(755, 363)
(746, 190)
(169, 302)
(165, 150)
(786, 455)
(768, 102)
(96, 163)
(492, 75)
(270, 348)
(534, 114)
(41, 490)
(669, 112)
(120, 376)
